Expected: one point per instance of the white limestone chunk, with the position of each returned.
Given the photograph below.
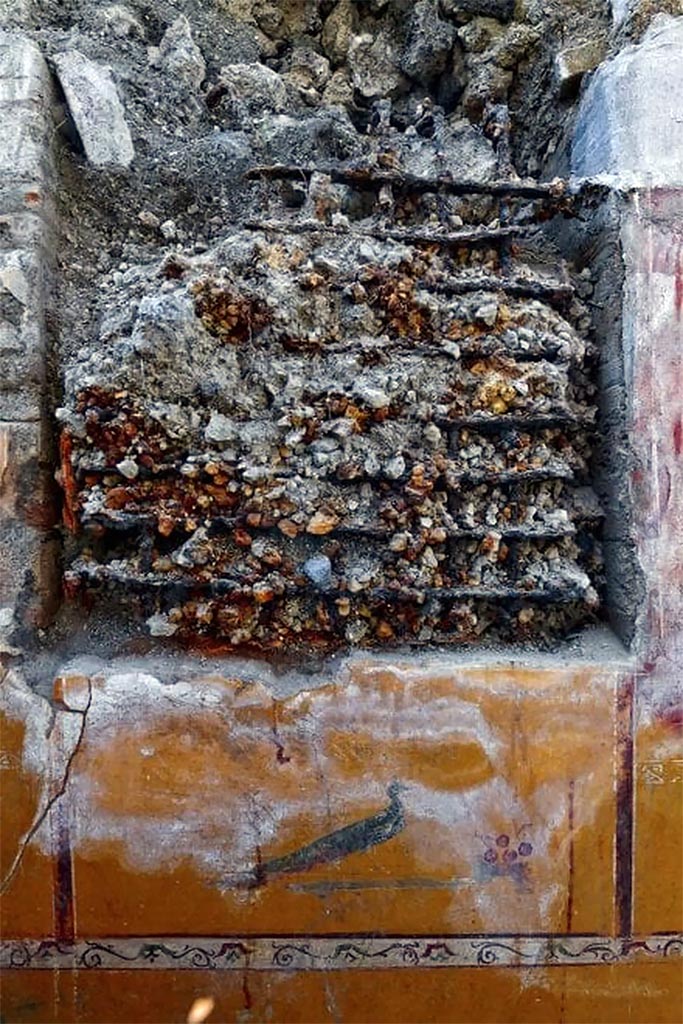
(96, 109)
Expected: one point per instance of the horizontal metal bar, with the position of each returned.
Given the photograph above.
(451, 476)
(375, 178)
(551, 291)
(511, 476)
(542, 595)
(225, 587)
(416, 237)
(483, 423)
(488, 423)
(122, 521)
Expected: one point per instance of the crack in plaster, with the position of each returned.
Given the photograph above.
(41, 816)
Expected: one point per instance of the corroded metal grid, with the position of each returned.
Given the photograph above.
(400, 450)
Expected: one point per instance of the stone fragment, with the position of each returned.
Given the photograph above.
(128, 468)
(256, 85)
(399, 542)
(149, 219)
(432, 435)
(372, 465)
(515, 45)
(338, 92)
(374, 398)
(487, 313)
(457, 148)
(180, 56)
(163, 327)
(16, 277)
(429, 43)
(574, 62)
(631, 105)
(318, 569)
(120, 21)
(338, 31)
(96, 109)
(194, 551)
(480, 33)
(500, 9)
(373, 60)
(395, 467)
(160, 625)
(308, 71)
(8, 624)
(263, 592)
(220, 428)
(329, 134)
(233, 149)
(487, 83)
(287, 19)
(321, 523)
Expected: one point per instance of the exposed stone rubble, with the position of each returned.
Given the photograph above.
(322, 430)
(348, 399)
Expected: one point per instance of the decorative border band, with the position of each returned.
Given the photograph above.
(294, 953)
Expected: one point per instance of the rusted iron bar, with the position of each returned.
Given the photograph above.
(476, 532)
(511, 476)
(494, 476)
(123, 521)
(225, 587)
(374, 178)
(488, 423)
(551, 291)
(160, 472)
(444, 238)
(480, 346)
(545, 595)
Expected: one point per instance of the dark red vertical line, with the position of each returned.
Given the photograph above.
(246, 992)
(570, 886)
(623, 875)
(63, 896)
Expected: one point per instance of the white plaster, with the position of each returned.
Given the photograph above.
(200, 819)
(629, 130)
(620, 9)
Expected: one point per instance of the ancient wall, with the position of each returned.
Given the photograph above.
(340, 479)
